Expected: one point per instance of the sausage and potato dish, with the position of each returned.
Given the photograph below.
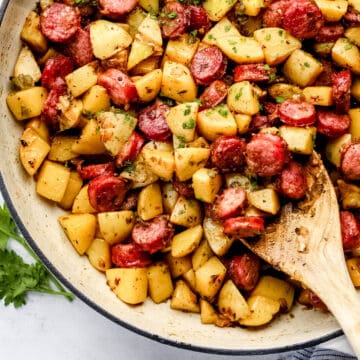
(169, 130)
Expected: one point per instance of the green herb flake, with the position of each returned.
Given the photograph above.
(223, 112)
(189, 124)
(348, 46)
(187, 111)
(268, 37)
(172, 15)
(239, 94)
(279, 99)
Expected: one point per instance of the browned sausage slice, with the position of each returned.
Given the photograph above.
(58, 66)
(244, 226)
(199, 19)
(213, 95)
(129, 256)
(329, 33)
(341, 84)
(297, 113)
(116, 8)
(174, 19)
(131, 149)
(350, 230)
(292, 181)
(331, 124)
(88, 172)
(350, 161)
(230, 203)
(253, 72)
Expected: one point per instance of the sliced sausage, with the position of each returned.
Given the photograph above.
(199, 19)
(329, 33)
(274, 14)
(352, 16)
(183, 188)
(230, 203)
(292, 181)
(244, 271)
(297, 113)
(341, 84)
(153, 235)
(260, 122)
(213, 95)
(253, 72)
(350, 161)
(107, 192)
(207, 65)
(116, 8)
(332, 124)
(58, 66)
(325, 77)
(227, 153)
(152, 121)
(129, 256)
(88, 172)
(59, 22)
(244, 226)
(174, 19)
(130, 202)
(121, 89)
(266, 154)
(131, 149)
(350, 230)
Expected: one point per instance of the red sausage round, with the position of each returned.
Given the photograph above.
(153, 235)
(352, 16)
(207, 65)
(213, 95)
(329, 33)
(183, 188)
(292, 181)
(331, 124)
(274, 14)
(115, 8)
(174, 19)
(244, 226)
(129, 256)
(131, 149)
(59, 22)
(297, 113)
(58, 66)
(227, 153)
(266, 154)
(350, 230)
(88, 172)
(253, 72)
(350, 161)
(199, 19)
(107, 192)
(341, 84)
(130, 202)
(152, 121)
(229, 204)
(244, 271)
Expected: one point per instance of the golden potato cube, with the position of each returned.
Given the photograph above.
(150, 202)
(96, 99)
(215, 122)
(61, 148)
(148, 86)
(81, 204)
(183, 298)
(299, 140)
(355, 123)
(134, 19)
(253, 7)
(242, 98)
(353, 266)
(284, 91)
(40, 127)
(222, 28)
(206, 184)
(116, 226)
(355, 4)
(262, 311)
(160, 283)
(149, 29)
(347, 55)
(189, 277)
(355, 88)
(178, 266)
(170, 196)
(186, 212)
(201, 255)
(231, 303)
(266, 200)
(151, 6)
(52, 181)
(72, 190)
(332, 10)
(318, 95)
(82, 79)
(277, 44)
(335, 146)
(129, 284)
(209, 278)
(140, 50)
(208, 314)
(99, 254)
(242, 122)
(353, 34)
(26, 65)
(350, 198)
(186, 242)
(276, 289)
(33, 150)
(28, 103)
(71, 110)
(182, 49)
(217, 9)
(302, 68)
(79, 229)
(160, 162)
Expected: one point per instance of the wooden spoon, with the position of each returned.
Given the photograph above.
(305, 243)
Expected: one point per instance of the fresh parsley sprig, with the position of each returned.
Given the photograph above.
(17, 278)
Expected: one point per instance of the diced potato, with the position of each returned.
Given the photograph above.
(160, 162)
(186, 242)
(72, 190)
(242, 50)
(318, 95)
(349, 195)
(80, 230)
(189, 160)
(40, 127)
(32, 34)
(160, 283)
(81, 204)
(33, 150)
(206, 184)
(115, 130)
(99, 254)
(284, 91)
(353, 34)
(355, 4)
(242, 122)
(140, 50)
(151, 6)
(82, 79)
(277, 44)
(150, 202)
(116, 226)
(209, 278)
(28, 103)
(129, 284)
(182, 49)
(26, 65)
(165, 146)
(239, 180)
(299, 140)
(52, 181)
(334, 148)
(178, 83)
(221, 29)
(219, 242)
(186, 212)
(96, 99)
(150, 30)
(61, 148)
(199, 142)
(323, 49)
(148, 86)
(208, 314)
(183, 298)
(242, 98)
(178, 266)
(347, 55)
(231, 302)
(265, 200)
(189, 277)
(146, 66)
(134, 19)
(353, 266)
(90, 140)
(355, 123)
(215, 122)
(262, 311)
(201, 255)
(217, 9)
(332, 10)
(170, 196)
(71, 110)
(276, 289)
(253, 7)
(302, 68)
